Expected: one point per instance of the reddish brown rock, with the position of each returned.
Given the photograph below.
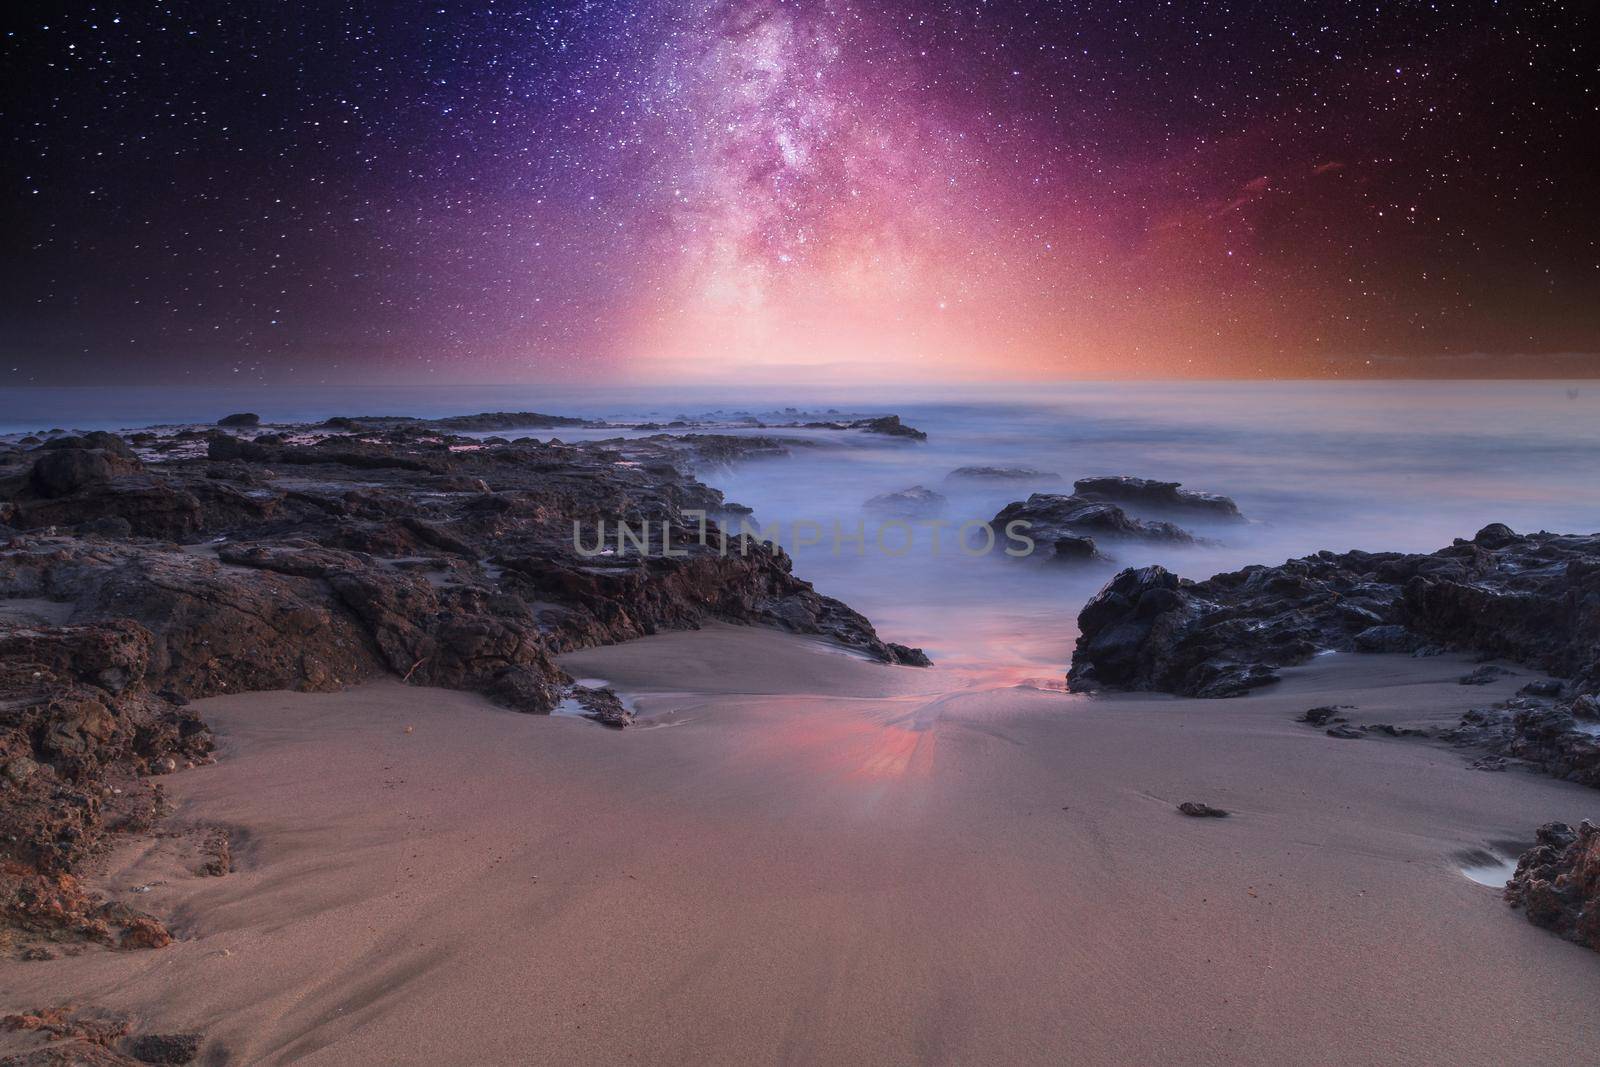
(1557, 882)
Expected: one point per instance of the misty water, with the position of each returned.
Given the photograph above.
(1313, 465)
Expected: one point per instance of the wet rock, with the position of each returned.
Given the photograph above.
(916, 502)
(1075, 549)
(603, 706)
(1557, 882)
(1543, 687)
(1196, 810)
(1158, 496)
(1049, 518)
(887, 425)
(241, 419)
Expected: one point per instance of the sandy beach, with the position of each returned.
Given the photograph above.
(804, 857)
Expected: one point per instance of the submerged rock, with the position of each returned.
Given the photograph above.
(887, 425)
(916, 502)
(1001, 474)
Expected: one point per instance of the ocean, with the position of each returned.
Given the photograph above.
(1313, 465)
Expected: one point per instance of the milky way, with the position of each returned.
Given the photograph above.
(808, 189)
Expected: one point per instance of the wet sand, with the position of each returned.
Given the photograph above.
(807, 858)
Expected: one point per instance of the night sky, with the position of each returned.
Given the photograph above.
(812, 190)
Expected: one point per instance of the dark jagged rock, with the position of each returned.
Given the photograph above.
(242, 420)
(1557, 882)
(1531, 598)
(887, 425)
(314, 560)
(1001, 474)
(1545, 736)
(1072, 523)
(916, 502)
(1159, 496)
(1196, 810)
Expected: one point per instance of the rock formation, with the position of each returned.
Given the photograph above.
(314, 559)
(1530, 598)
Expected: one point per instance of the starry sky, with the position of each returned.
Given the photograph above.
(797, 190)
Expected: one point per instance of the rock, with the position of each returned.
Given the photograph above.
(144, 932)
(1543, 687)
(1049, 518)
(63, 472)
(1346, 733)
(109, 443)
(398, 550)
(1495, 535)
(1075, 549)
(1321, 716)
(916, 502)
(603, 706)
(1195, 809)
(503, 420)
(1490, 763)
(1557, 882)
(1001, 474)
(114, 527)
(1530, 598)
(19, 769)
(1484, 675)
(242, 419)
(1533, 731)
(1389, 729)
(164, 1048)
(1386, 638)
(1160, 496)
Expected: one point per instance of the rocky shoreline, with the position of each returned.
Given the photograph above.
(1533, 599)
(138, 574)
